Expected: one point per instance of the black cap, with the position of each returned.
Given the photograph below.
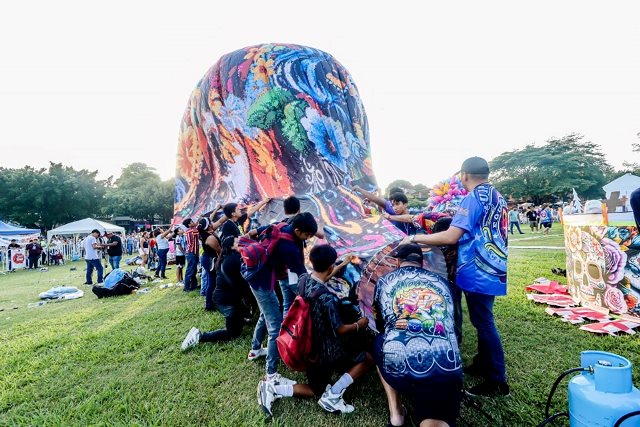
(476, 166)
(407, 252)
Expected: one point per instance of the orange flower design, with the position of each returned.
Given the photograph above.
(262, 70)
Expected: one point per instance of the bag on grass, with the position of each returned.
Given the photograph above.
(125, 285)
(255, 254)
(294, 341)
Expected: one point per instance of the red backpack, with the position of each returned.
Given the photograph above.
(256, 253)
(294, 341)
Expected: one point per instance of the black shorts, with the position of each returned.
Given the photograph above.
(180, 260)
(546, 224)
(533, 224)
(432, 400)
(320, 375)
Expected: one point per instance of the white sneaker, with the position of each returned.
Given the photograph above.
(278, 379)
(334, 402)
(255, 354)
(192, 338)
(266, 394)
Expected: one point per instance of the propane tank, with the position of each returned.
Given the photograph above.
(604, 392)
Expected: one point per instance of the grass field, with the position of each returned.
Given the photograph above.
(117, 361)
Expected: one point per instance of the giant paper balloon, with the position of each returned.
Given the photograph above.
(269, 121)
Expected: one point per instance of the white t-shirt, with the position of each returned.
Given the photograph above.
(89, 251)
(162, 242)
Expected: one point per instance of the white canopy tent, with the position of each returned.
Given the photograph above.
(625, 185)
(84, 227)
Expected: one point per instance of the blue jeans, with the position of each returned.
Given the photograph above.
(270, 312)
(91, 264)
(190, 281)
(205, 263)
(114, 261)
(233, 323)
(517, 224)
(289, 293)
(490, 353)
(162, 262)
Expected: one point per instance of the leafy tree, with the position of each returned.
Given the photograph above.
(421, 191)
(401, 183)
(49, 197)
(550, 171)
(139, 192)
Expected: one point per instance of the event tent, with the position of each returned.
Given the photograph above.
(84, 227)
(624, 184)
(9, 232)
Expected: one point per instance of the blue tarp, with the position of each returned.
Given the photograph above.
(11, 230)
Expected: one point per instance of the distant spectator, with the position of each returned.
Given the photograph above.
(546, 219)
(532, 216)
(114, 250)
(180, 245)
(91, 256)
(162, 241)
(13, 245)
(192, 251)
(130, 242)
(33, 251)
(514, 219)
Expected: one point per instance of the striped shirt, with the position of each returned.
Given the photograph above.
(193, 244)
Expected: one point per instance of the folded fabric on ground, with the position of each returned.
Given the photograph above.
(556, 300)
(611, 327)
(548, 288)
(62, 292)
(579, 314)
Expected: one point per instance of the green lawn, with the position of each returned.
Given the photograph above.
(117, 361)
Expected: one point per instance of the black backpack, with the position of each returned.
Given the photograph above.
(125, 286)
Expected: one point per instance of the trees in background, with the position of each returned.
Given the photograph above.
(52, 196)
(140, 193)
(47, 197)
(549, 172)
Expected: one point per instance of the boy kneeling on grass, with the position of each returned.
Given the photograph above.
(328, 332)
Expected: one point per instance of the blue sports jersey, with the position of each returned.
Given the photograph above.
(545, 216)
(406, 227)
(414, 311)
(482, 250)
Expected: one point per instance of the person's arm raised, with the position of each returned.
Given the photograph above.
(369, 195)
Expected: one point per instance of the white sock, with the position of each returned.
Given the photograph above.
(284, 390)
(342, 383)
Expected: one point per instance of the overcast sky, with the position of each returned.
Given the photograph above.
(100, 85)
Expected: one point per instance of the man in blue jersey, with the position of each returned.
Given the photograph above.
(480, 229)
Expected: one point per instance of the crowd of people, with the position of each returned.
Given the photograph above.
(416, 349)
(418, 315)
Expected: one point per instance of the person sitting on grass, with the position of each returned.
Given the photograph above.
(228, 295)
(328, 335)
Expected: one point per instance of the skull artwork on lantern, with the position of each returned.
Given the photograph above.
(588, 270)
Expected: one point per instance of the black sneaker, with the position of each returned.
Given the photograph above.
(489, 388)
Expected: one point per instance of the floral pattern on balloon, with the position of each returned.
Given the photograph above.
(270, 121)
(446, 195)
